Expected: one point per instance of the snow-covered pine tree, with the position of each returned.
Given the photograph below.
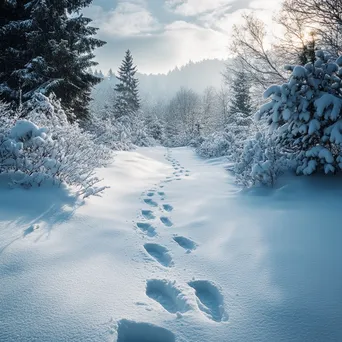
(57, 49)
(308, 53)
(260, 162)
(111, 74)
(240, 96)
(306, 114)
(155, 128)
(127, 101)
(14, 22)
(173, 130)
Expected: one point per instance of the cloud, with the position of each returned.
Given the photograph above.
(193, 42)
(196, 7)
(126, 19)
(265, 4)
(169, 33)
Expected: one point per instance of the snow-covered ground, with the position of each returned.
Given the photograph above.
(173, 251)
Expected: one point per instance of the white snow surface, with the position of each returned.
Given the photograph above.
(173, 251)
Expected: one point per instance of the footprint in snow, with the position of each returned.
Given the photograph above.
(159, 253)
(166, 221)
(131, 331)
(147, 228)
(150, 194)
(30, 229)
(161, 193)
(150, 202)
(167, 295)
(148, 214)
(209, 300)
(167, 207)
(185, 243)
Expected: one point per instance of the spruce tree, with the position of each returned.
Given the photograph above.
(127, 101)
(307, 55)
(14, 22)
(111, 74)
(305, 114)
(154, 127)
(241, 98)
(54, 53)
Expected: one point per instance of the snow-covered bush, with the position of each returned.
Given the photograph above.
(121, 133)
(196, 142)
(177, 139)
(114, 135)
(43, 146)
(305, 113)
(229, 142)
(261, 161)
(139, 131)
(154, 128)
(216, 145)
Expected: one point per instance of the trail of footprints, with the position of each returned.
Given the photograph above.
(167, 294)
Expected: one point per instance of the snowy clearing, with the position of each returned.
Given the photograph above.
(173, 251)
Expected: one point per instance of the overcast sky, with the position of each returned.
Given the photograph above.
(163, 34)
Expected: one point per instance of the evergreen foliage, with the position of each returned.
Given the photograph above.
(48, 48)
(241, 98)
(155, 128)
(127, 101)
(308, 53)
(111, 74)
(306, 114)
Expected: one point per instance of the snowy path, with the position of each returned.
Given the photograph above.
(173, 251)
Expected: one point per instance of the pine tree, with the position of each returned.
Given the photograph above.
(241, 98)
(111, 74)
(305, 112)
(14, 22)
(54, 55)
(307, 54)
(155, 128)
(127, 102)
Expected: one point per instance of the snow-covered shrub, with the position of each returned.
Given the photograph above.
(261, 161)
(154, 128)
(44, 146)
(196, 142)
(177, 139)
(216, 145)
(306, 115)
(122, 133)
(139, 132)
(114, 135)
(229, 142)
